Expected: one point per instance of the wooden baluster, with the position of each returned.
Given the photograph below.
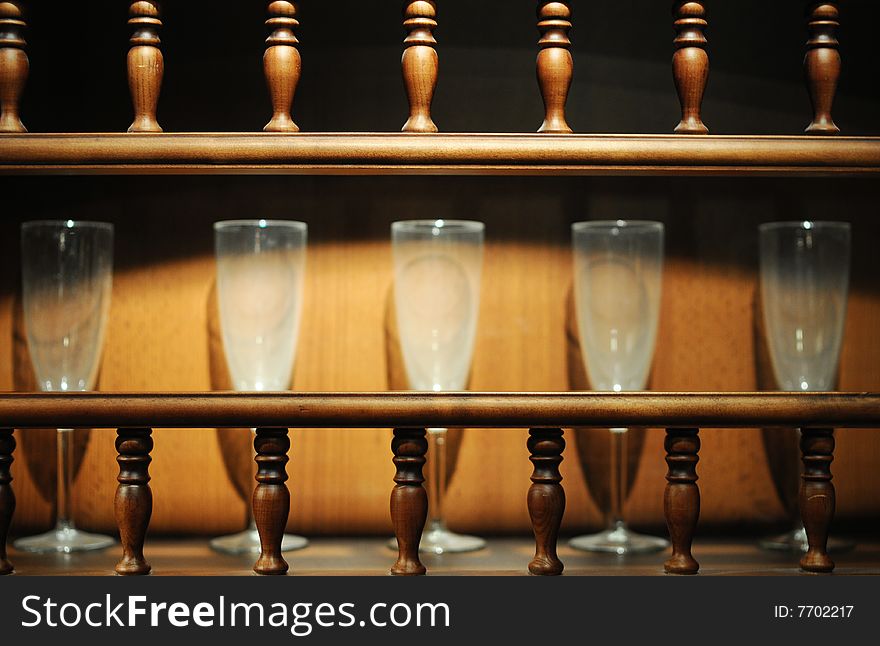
(271, 498)
(681, 500)
(546, 499)
(282, 65)
(134, 500)
(145, 64)
(409, 501)
(690, 64)
(822, 65)
(420, 63)
(555, 65)
(14, 65)
(817, 496)
(7, 496)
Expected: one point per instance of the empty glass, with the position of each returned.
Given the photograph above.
(260, 272)
(437, 268)
(67, 276)
(804, 285)
(618, 267)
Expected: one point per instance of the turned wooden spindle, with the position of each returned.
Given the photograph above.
(14, 65)
(145, 64)
(681, 499)
(282, 65)
(822, 64)
(420, 63)
(409, 500)
(690, 64)
(7, 496)
(546, 499)
(271, 498)
(555, 65)
(134, 500)
(817, 496)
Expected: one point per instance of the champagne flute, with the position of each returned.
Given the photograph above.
(437, 268)
(67, 276)
(804, 273)
(260, 271)
(618, 267)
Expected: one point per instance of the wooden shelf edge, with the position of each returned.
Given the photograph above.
(447, 154)
(416, 409)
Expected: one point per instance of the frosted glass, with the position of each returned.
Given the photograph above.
(260, 276)
(437, 267)
(618, 268)
(67, 276)
(804, 286)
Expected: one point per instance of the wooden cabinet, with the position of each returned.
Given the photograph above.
(164, 190)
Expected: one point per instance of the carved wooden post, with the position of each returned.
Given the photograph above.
(690, 65)
(546, 500)
(420, 63)
(145, 65)
(134, 500)
(282, 65)
(555, 65)
(409, 501)
(14, 65)
(681, 500)
(822, 64)
(271, 498)
(817, 496)
(7, 496)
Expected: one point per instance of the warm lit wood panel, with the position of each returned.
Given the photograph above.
(158, 340)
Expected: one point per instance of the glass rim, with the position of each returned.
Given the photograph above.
(645, 225)
(67, 224)
(805, 225)
(294, 225)
(467, 226)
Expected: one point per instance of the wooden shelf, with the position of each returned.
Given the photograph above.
(447, 154)
(410, 414)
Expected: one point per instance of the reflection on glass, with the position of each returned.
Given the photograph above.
(804, 285)
(437, 268)
(618, 267)
(67, 275)
(260, 272)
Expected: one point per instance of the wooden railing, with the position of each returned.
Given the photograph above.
(556, 151)
(448, 154)
(409, 414)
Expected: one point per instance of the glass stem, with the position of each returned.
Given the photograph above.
(63, 514)
(437, 477)
(618, 472)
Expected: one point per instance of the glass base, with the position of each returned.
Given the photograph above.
(619, 540)
(439, 540)
(248, 542)
(796, 541)
(63, 539)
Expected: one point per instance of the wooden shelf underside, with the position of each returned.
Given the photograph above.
(446, 154)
